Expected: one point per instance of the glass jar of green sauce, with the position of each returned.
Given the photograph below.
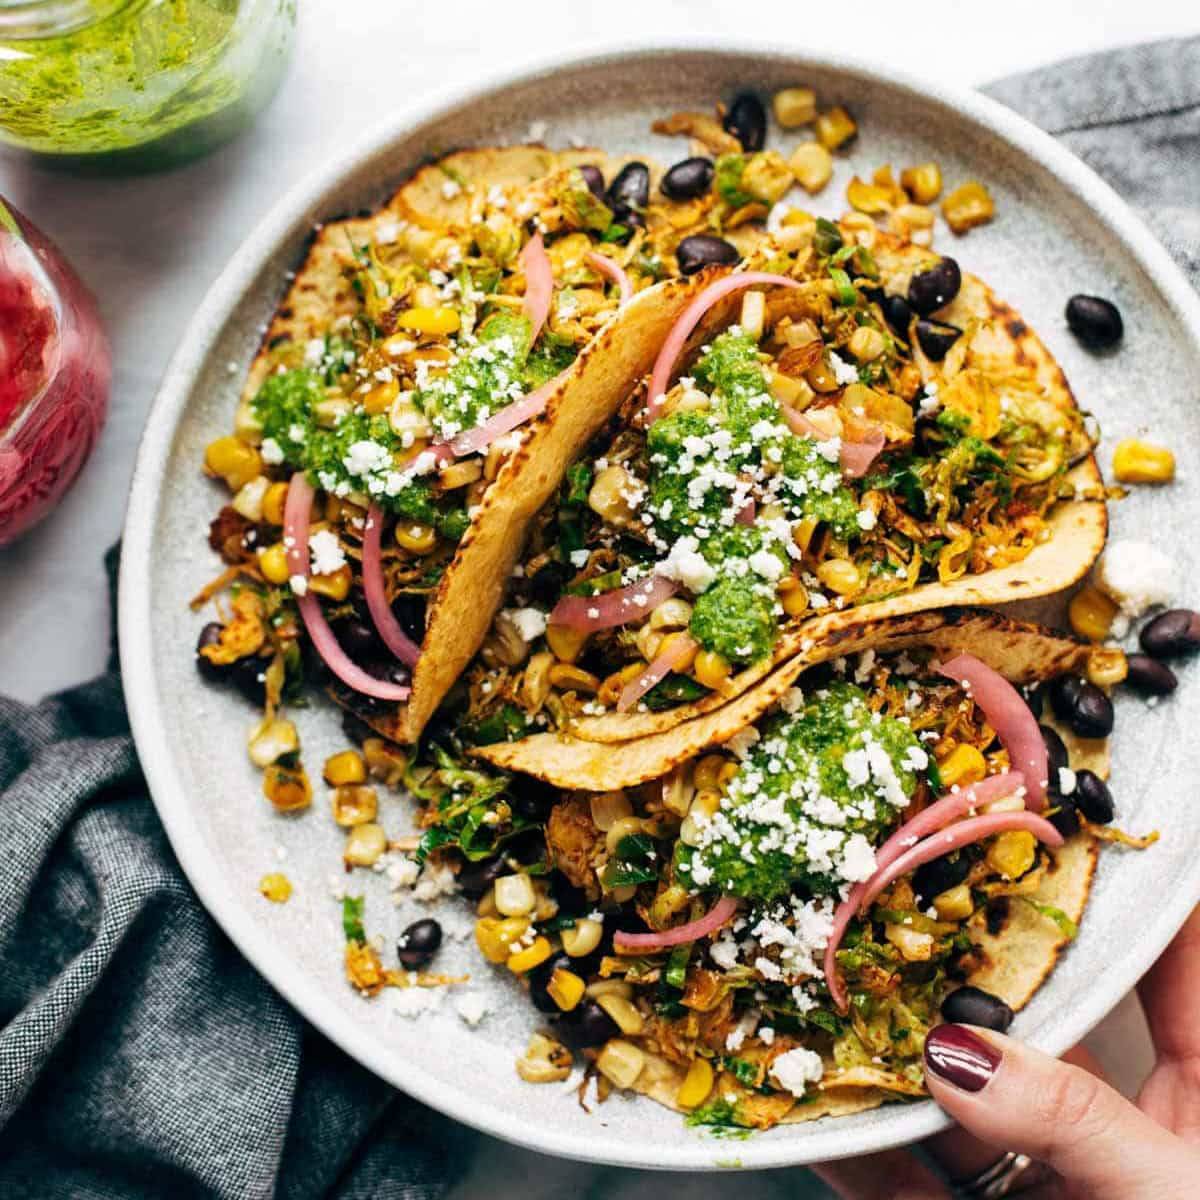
(137, 84)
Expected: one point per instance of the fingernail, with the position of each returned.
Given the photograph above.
(960, 1057)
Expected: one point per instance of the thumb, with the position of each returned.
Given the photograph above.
(1017, 1099)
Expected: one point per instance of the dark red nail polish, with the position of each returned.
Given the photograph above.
(960, 1057)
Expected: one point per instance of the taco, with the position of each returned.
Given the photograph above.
(808, 452)
(771, 926)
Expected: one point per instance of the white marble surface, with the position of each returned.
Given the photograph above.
(150, 247)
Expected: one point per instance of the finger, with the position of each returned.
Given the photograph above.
(892, 1175)
(1017, 1099)
(961, 1154)
(1168, 995)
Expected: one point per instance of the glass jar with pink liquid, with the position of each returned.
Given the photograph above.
(54, 375)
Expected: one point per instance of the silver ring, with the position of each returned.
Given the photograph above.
(996, 1181)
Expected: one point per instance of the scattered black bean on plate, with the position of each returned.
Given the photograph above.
(1149, 676)
(688, 179)
(1082, 705)
(934, 287)
(747, 121)
(419, 943)
(973, 1006)
(1092, 797)
(936, 337)
(1096, 322)
(1171, 634)
(702, 250)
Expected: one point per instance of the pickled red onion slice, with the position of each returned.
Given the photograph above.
(605, 266)
(937, 816)
(539, 284)
(297, 511)
(856, 457)
(506, 420)
(388, 628)
(689, 319)
(618, 607)
(1009, 715)
(660, 668)
(693, 931)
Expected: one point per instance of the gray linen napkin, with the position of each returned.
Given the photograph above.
(140, 1055)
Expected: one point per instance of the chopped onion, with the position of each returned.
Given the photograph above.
(539, 284)
(297, 511)
(693, 931)
(506, 420)
(937, 845)
(660, 668)
(1009, 715)
(689, 319)
(618, 607)
(389, 629)
(606, 266)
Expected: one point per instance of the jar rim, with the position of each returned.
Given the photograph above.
(22, 20)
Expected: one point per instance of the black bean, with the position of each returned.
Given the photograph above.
(1171, 634)
(704, 250)
(1065, 817)
(1092, 797)
(1082, 705)
(571, 899)
(591, 1025)
(747, 121)
(1096, 322)
(1150, 677)
(688, 179)
(210, 635)
(390, 670)
(1056, 752)
(933, 878)
(898, 313)
(1035, 697)
(973, 1006)
(476, 877)
(631, 187)
(594, 178)
(409, 610)
(531, 798)
(358, 637)
(419, 943)
(936, 338)
(934, 287)
(248, 675)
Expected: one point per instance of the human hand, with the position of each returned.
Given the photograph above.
(1086, 1139)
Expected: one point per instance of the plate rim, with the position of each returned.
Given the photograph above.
(821, 1141)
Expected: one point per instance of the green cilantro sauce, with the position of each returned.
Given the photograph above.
(150, 83)
(819, 787)
(696, 457)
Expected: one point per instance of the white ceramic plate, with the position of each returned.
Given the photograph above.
(1059, 230)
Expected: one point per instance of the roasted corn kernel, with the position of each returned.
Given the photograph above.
(381, 397)
(276, 887)
(335, 585)
(384, 761)
(867, 343)
(354, 804)
(620, 1062)
(696, 1085)
(1135, 461)
(1012, 853)
(794, 106)
(234, 460)
(867, 197)
(812, 166)
(248, 502)
(607, 808)
(273, 502)
(711, 669)
(272, 562)
(609, 495)
(530, 956)
(287, 788)
(438, 320)
(566, 641)
(922, 182)
(544, 1061)
(582, 938)
(970, 204)
(345, 767)
(685, 644)
(707, 772)
(793, 596)
(914, 946)
(514, 895)
(565, 988)
(272, 740)
(415, 537)
(835, 128)
(954, 904)
(365, 845)
(569, 678)
(460, 474)
(1107, 666)
(1091, 613)
(535, 682)
(672, 613)
(495, 936)
(622, 1011)
(839, 575)
(964, 765)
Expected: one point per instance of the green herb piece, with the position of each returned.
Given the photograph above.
(352, 919)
